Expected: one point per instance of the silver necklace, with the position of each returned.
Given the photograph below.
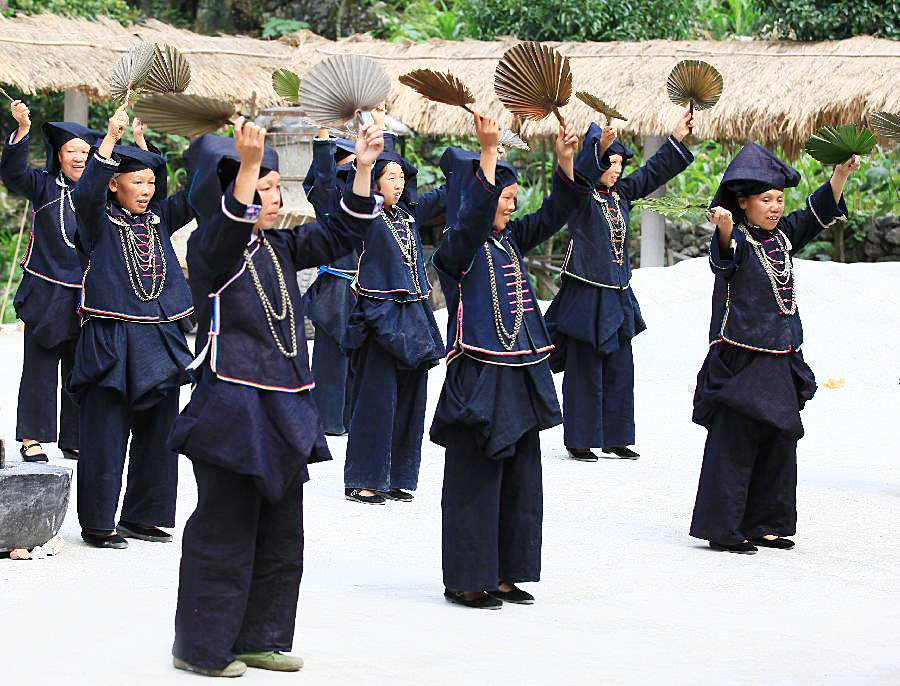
(139, 264)
(64, 195)
(617, 228)
(407, 243)
(507, 338)
(782, 277)
(287, 307)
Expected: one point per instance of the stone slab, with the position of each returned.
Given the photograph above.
(33, 503)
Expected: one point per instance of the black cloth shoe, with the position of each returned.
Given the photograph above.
(745, 548)
(780, 543)
(396, 494)
(621, 453)
(355, 495)
(143, 532)
(583, 455)
(517, 596)
(103, 539)
(484, 601)
(69, 454)
(40, 457)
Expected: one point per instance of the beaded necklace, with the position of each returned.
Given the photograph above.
(141, 260)
(616, 222)
(405, 242)
(287, 307)
(64, 195)
(778, 278)
(507, 338)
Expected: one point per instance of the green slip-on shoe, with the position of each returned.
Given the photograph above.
(234, 668)
(272, 659)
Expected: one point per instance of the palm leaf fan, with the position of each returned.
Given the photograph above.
(596, 103)
(670, 206)
(131, 71)
(338, 88)
(183, 114)
(287, 84)
(439, 87)
(170, 72)
(510, 139)
(886, 125)
(7, 95)
(837, 145)
(533, 81)
(695, 84)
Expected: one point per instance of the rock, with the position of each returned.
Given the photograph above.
(33, 502)
(888, 258)
(19, 554)
(893, 235)
(872, 250)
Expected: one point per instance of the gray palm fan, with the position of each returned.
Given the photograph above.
(337, 89)
(170, 73)
(886, 125)
(183, 114)
(694, 83)
(509, 139)
(131, 71)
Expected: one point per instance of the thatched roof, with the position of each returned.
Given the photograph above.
(774, 91)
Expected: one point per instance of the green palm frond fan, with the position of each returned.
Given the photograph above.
(836, 145)
(597, 104)
(183, 114)
(287, 85)
(533, 81)
(886, 125)
(441, 87)
(671, 206)
(695, 84)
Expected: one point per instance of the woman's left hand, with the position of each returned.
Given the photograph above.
(848, 167)
(566, 143)
(684, 126)
(138, 128)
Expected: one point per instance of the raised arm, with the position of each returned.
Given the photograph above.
(669, 161)
(15, 171)
(324, 194)
(89, 195)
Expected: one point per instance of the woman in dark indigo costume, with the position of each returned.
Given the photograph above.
(131, 355)
(498, 393)
(251, 427)
(754, 381)
(595, 314)
(393, 341)
(48, 296)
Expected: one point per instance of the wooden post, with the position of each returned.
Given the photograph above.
(653, 225)
(76, 107)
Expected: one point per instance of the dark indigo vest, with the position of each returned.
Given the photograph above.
(589, 256)
(384, 272)
(472, 328)
(51, 252)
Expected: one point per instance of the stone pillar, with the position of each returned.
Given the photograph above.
(76, 107)
(653, 225)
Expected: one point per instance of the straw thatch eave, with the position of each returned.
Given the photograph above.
(774, 91)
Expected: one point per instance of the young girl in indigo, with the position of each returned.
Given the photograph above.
(131, 355)
(251, 427)
(754, 381)
(498, 393)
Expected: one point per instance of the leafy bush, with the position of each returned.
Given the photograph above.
(116, 9)
(810, 20)
(275, 27)
(420, 20)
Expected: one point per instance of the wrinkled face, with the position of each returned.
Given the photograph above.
(506, 205)
(134, 190)
(390, 184)
(764, 209)
(269, 190)
(73, 155)
(611, 175)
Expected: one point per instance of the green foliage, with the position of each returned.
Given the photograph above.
(718, 20)
(811, 20)
(419, 20)
(116, 9)
(578, 20)
(276, 27)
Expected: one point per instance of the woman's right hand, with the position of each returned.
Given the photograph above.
(487, 131)
(19, 112)
(610, 133)
(721, 218)
(117, 123)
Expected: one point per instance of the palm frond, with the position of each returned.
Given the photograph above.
(596, 103)
(183, 114)
(334, 90)
(170, 72)
(131, 71)
(533, 81)
(836, 145)
(510, 139)
(694, 83)
(441, 87)
(287, 84)
(886, 124)
(670, 206)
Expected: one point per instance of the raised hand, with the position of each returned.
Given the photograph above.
(249, 141)
(610, 133)
(19, 111)
(849, 166)
(566, 144)
(841, 174)
(487, 131)
(369, 145)
(138, 128)
(721, 218)
(684, 126)
(378, 115)
(117, 123)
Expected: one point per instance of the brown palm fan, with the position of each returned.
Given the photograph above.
(886, 125)
(131, 71)
(341, 87)
(694, 83)
(183, 114)
(170, 73)
(596, 103)
(439, 87)
(533, 81)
